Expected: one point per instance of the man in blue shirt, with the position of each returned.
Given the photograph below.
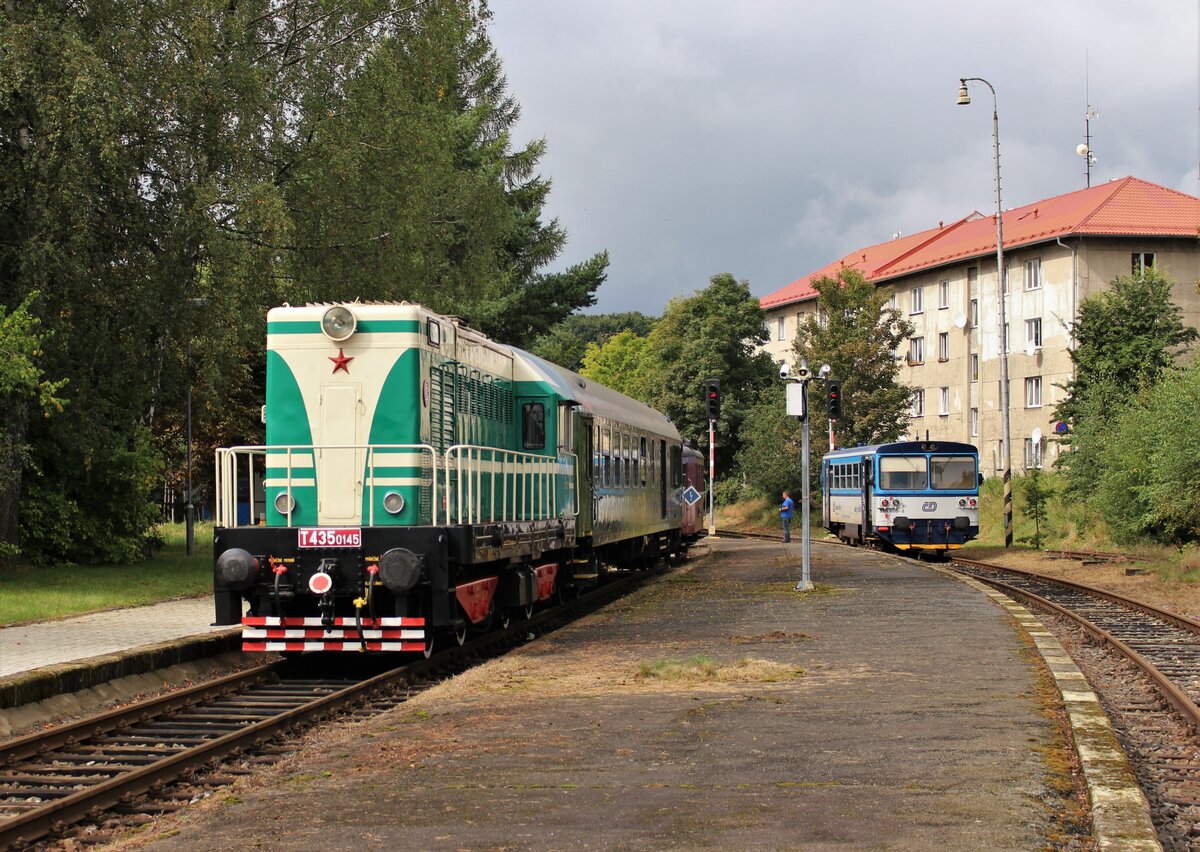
(785, 513)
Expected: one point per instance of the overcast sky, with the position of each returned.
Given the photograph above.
(767, 138)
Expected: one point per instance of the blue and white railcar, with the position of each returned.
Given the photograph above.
(912, 496)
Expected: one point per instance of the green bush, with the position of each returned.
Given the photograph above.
(1139, 467)
(102, 517)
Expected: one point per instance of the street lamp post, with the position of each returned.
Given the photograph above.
(189, 512)
(964, 99)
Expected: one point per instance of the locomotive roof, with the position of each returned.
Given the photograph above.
(595, 398)
(899, 448)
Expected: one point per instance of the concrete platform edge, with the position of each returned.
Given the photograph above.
(1120, 811)
(39, 684)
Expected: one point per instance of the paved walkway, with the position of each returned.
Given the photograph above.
(49, 643)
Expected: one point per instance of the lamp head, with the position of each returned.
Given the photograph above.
(963, 97)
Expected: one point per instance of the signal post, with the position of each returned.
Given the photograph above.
(712, 401)
(797, 406)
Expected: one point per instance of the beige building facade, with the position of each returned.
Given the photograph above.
(944, 282)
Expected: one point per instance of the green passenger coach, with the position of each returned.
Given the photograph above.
(419, 479)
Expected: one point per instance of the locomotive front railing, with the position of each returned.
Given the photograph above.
(478, 484)
(300, 470)
(493, 485)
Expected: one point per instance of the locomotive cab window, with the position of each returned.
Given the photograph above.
(433, 332)
(953, 472)
(533, 426)
(903, 473)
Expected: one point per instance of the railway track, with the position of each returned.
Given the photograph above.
(51, 780)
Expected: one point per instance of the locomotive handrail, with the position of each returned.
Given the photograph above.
(227, 470)
(528, 484)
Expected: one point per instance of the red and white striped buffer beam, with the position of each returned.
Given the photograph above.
(390, 633)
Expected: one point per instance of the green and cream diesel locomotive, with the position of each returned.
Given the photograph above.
(420, 480)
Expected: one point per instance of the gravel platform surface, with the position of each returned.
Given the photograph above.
(892, 708)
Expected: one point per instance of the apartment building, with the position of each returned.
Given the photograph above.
(1057, 252)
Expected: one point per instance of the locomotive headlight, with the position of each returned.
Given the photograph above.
(338, 323)
(394, 502)
(285, 504)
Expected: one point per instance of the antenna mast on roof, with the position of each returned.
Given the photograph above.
(1085, 150)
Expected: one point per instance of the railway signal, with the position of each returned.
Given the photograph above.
(833, 399)
(712, 398)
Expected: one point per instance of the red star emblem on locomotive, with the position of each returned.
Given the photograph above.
(341, 361)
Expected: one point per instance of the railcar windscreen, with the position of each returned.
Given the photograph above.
(903, 473)
(953, 473)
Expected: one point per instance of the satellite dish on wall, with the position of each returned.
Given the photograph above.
(1030, 349)
(960, 320)
(1036, 434)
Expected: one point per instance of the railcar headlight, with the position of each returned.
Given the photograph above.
(962, 504)
(393, 501)
(285, 503)
(338, 323)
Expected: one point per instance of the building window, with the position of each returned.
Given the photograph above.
(974, 313)
(943, 401)
(1033, 333)
(943, 294)
(1007, 339)
(944, 346)
(1033, 392)
(1141, 261)
(1004, 281)
(916, 350)
(974, 366)
(780, 326)
(892, 301)
(918, 300)
(823, 318)
(918, 403)
(974, 422)
(1033, 453)
(1033, 274)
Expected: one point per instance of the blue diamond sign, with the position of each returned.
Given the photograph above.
(691, 495)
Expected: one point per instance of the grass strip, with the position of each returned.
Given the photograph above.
(41, 594)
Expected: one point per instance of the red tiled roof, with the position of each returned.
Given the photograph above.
(1125, 207)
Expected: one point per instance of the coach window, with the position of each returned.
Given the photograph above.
(642, 457)
(903, 473)
(604, 439)
(533, 426)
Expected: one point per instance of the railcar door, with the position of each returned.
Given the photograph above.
(867, 476)
(585, 471)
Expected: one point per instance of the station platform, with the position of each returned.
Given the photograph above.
(894, 706)
(53, 643)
